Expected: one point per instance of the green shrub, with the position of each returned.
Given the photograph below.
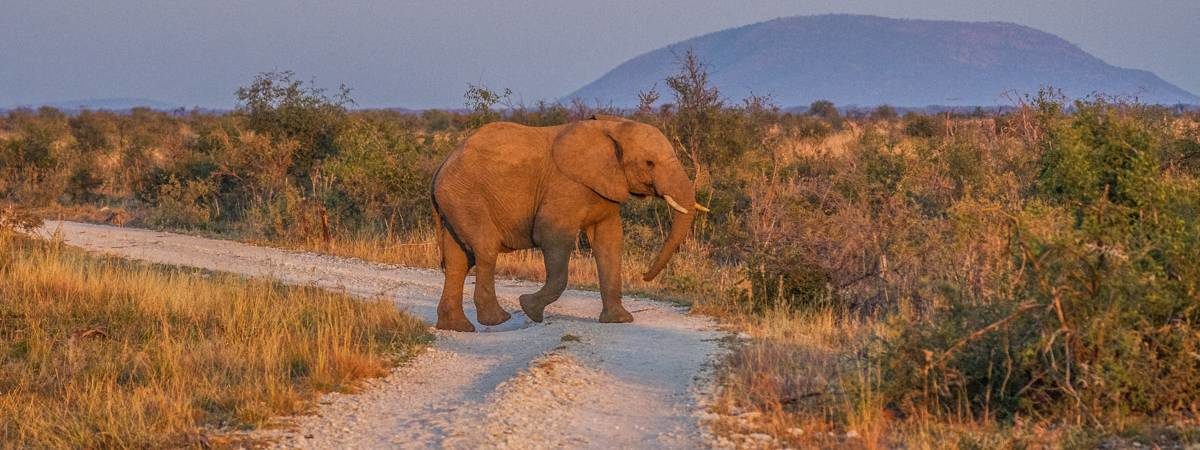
(786, 277)
(883, 166)
(82, 186)
(964, 162)
(884, 112)
(1097, 319)
(542, 115)
(807, 127)
(183, 204)
(283, 108)
(437, 119)
(480, 100)
(826, 110)
(379, 179)
(923, 126)
(35, 160)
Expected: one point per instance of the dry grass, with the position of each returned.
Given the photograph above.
(904, 227)
(799, 379)
(98, 352)
(804, 379)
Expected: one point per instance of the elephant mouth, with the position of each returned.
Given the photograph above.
(646, 190)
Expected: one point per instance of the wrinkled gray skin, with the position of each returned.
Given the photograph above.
(510, 187)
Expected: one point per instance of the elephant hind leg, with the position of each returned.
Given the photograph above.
(487, 309)
(455, 263)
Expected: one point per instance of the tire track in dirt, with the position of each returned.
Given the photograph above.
(522, 385)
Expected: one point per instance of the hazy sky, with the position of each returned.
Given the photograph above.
(423, 54)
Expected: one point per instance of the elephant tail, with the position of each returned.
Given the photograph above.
(437, 216)
(437, 236)
(441, 225)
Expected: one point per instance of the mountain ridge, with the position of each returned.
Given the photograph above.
(101, 104)
(871, 60)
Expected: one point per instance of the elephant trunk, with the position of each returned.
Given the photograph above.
(676, 189)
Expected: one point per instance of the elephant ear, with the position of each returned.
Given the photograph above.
(588, 155)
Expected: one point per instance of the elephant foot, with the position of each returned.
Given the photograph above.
(455, 324)
(492, 316)
(615, 314)
(533, 308)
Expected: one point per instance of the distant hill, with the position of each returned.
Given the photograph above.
(867, 60)
(109, 104)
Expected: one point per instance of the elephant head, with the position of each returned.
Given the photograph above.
(620, 158)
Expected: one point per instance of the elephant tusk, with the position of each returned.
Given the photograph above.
(671, 201)
(701, 208)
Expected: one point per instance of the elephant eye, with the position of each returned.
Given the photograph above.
(649, 163)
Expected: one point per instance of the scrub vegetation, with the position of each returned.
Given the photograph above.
(98, 352)
(1006, 278)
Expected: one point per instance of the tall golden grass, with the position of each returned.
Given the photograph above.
(102, 353)
(796, 378)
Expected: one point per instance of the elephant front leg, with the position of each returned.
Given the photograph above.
(606, 239)
(557, 257)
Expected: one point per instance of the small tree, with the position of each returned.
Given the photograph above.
(922, 126)
(480, 100)
(824, 109)
(646, 101)
(698, 105)
(884, 112)
(284, 108)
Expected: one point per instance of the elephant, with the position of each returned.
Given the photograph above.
(510, 187)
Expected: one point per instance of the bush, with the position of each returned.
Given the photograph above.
(807, 127)
(923, 126)
(1097, 319)
(379, 179)
(825, 110)
(786, 277)
(82, 186)
(183, 204)
(480, 100)
(35, 160)
(284, 108)
(437, 120)
(884, 112)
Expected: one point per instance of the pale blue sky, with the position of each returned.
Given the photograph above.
(423, 54)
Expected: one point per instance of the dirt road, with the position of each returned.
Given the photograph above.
(568, 382)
